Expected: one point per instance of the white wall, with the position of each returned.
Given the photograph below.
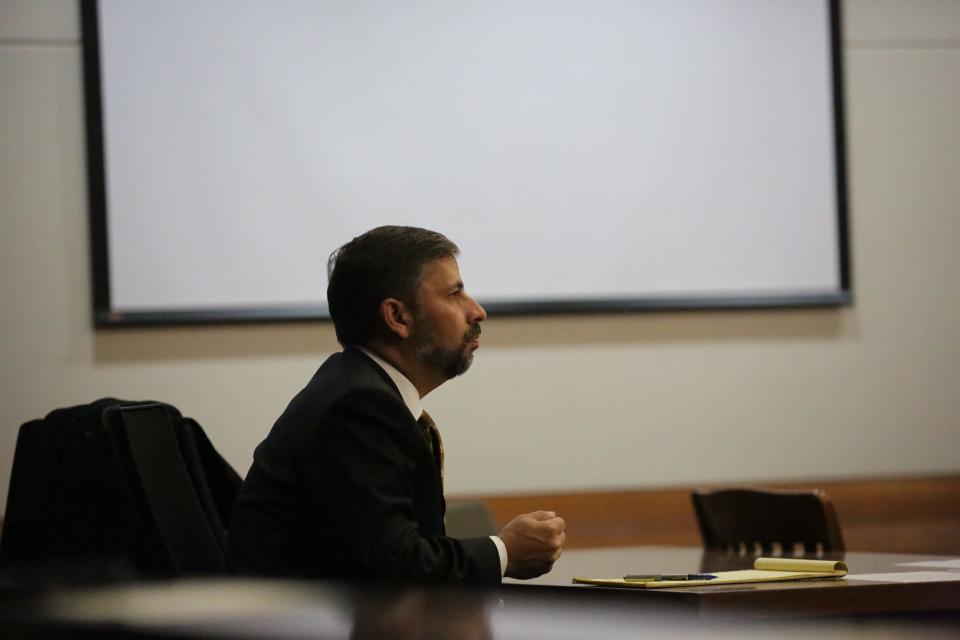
(553, 403)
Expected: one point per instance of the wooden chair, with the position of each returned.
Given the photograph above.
(772, 522)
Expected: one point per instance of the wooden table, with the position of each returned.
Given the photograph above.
(276, 610)
(764, 600)
(548, 607)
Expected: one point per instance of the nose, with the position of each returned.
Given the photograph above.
(478, 313)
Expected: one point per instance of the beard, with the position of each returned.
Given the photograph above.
(451, 362)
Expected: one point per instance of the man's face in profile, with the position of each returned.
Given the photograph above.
(447, 320)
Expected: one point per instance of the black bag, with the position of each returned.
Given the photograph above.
(70, 516)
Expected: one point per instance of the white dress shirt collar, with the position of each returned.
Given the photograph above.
(409, 393)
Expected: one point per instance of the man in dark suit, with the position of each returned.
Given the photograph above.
(348, 484)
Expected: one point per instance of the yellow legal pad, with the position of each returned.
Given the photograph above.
(764, 570)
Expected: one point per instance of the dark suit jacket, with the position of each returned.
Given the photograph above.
(346, 487)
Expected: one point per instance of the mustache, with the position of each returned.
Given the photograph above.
(473, 333)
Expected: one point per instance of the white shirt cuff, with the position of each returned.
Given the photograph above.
(502, 550)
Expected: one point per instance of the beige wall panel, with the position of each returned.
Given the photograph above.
(39, 20)
(42, 239)
(876, 22)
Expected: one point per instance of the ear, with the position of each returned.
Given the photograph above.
(397, 318)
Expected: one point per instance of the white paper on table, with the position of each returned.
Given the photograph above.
(909, 576)
(934, 564)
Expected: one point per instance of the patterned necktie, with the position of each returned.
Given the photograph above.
(432, 436)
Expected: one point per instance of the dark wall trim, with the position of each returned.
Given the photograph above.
(237, 315)
(840, 145)
(96, 171)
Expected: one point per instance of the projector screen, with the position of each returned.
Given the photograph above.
(585, 155)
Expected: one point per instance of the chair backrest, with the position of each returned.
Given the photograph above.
(469, 519)
(743, 519)
(174, 507)
(215, 482)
